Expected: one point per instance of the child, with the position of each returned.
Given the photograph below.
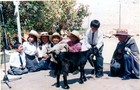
(43, 57)
(55, 39)
(18, 61)
(30, 50)
(74, 45)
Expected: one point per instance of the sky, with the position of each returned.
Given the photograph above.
(107, 11)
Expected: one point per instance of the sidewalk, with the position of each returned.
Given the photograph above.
(44, 80)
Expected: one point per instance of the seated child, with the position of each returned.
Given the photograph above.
(18, 61)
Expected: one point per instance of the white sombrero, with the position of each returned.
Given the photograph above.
(34, 33)
(55, 34)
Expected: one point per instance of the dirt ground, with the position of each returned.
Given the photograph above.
(44, 80)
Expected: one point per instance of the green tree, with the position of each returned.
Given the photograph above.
(32, 15)
(45, 15)
(65, 13)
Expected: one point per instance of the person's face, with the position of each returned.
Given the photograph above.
(121, 38)
(44, 39)
(20, 48)
(73, 38)
(31, 38)
(94, 29)
(55, 39)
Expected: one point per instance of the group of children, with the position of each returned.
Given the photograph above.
(34, 55)
(31, 56)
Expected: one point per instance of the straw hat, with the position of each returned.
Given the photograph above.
(123, 32)
(44, 34)
(34, 33)
(75, 33)
(55, 34)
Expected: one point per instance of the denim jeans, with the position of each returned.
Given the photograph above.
(17, 71)
(98, 63)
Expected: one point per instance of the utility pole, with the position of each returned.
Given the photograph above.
(16, 3)
(119, 14)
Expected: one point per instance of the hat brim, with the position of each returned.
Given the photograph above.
(117, 34)
(69, 36)
(51, 37)
(34, 35)
(45, 36)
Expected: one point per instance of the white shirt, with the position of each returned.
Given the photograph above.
(44, 50)
(97, 40)
(15, 60)
(29, 48)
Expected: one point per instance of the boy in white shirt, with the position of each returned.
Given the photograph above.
(18, 61)
(94, 39)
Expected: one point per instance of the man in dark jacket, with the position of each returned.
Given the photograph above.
(127, 55)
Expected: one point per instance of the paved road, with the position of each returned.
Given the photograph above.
(44, 80)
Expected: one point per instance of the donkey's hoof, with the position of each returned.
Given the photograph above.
(80, 81)
(85, 79)
(57, 85)
(66, 87)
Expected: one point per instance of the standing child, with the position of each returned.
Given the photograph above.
(18, 61)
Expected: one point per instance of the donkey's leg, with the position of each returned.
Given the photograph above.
(81, 75)
(58, 79)
(66, 86)
(84, 77)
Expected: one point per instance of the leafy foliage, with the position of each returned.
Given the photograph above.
(45, 15)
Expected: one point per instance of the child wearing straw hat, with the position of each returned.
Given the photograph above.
(30, 50)
(44, 46)
(55, 38)
(74, 45)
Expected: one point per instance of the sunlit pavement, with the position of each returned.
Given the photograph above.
(45, 80)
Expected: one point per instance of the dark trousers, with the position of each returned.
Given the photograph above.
(46, 64)
(130, 64)
(98, 63)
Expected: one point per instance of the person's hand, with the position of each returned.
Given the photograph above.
(22, 67)
(126, 49)
(45, 56)
(66, 47)
(95, 50)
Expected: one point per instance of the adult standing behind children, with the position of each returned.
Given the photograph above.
(18, 61)
(94, 39)
(30, 49)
